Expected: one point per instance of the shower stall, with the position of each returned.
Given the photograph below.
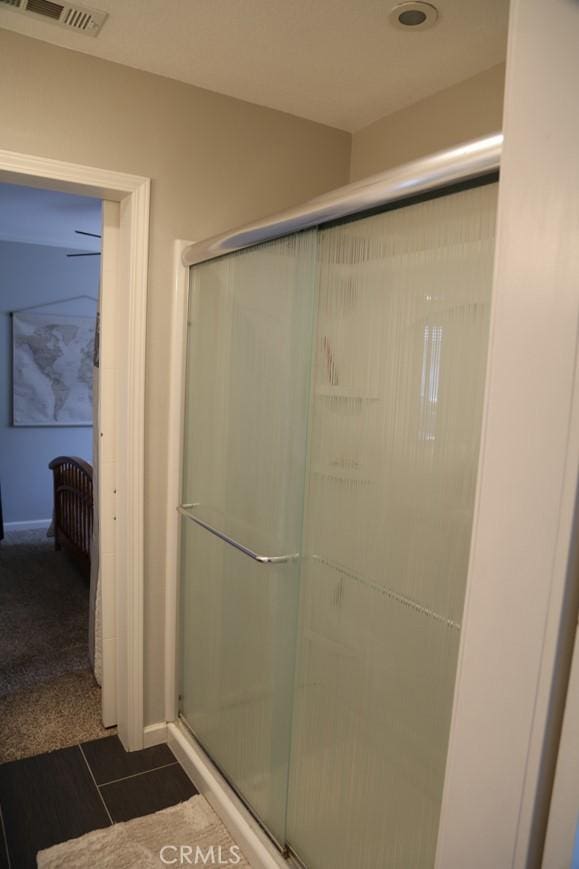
(333, 399)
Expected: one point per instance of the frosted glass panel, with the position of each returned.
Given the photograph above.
(239, 649)
(401, 340)
(249, 359)
(247, 397)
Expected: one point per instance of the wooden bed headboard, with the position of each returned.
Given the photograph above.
(73, 505)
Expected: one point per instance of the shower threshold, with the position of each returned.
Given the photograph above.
(260, 848)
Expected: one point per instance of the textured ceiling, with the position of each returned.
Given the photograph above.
(47, 217)
(340, 62)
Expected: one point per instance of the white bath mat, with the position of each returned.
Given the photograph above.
(188, 834)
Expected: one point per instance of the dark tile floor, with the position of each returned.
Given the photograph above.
(63, 794)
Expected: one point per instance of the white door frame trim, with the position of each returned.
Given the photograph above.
(133, 192)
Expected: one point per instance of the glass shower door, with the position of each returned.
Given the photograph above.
(247, 397)
(401, 343)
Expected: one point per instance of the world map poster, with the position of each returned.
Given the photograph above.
(52, 369)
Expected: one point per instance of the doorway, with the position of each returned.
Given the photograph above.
(121, 402)
(49, 286)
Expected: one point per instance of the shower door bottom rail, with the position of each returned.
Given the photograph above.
(185, 510)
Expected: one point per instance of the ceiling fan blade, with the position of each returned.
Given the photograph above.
(92, 234)
(96, 253)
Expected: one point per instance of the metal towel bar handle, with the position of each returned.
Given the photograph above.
(185, 509)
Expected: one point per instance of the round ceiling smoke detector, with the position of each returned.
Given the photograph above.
(414, 16)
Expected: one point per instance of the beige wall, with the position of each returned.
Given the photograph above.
(214, 162)
(465, 111)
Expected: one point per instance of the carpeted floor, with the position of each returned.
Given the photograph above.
(151, 842)
(50, 715)
(48, 696)
(43, 612)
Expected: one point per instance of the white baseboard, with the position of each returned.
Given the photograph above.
(246, 832)
(27, 525)
(155, 734)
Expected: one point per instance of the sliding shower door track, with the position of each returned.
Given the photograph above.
(284, 850)
(294, 860)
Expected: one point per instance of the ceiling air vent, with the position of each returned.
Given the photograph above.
(45, 7)
(71, 16)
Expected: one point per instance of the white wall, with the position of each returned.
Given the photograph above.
(518, 612)
(33, 274)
